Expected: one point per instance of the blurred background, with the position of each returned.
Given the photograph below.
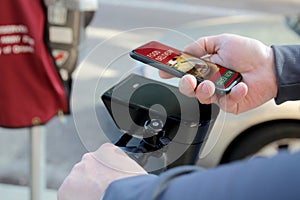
(122, 25)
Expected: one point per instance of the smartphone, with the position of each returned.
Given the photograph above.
(179, 63)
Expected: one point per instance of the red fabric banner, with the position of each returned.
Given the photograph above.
(31, 89)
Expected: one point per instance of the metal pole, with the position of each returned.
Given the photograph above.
(37, 162)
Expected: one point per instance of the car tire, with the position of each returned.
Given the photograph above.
(277, 136)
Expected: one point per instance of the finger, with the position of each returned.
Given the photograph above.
(205, 92)
(108, 152)
(164, 74)
(238, 92)
(203, 46)
(114, 158)
(187, 85)
(196, 49)
(230, 102)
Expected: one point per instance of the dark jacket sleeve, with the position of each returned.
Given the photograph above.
(259, 178)
(287, 64)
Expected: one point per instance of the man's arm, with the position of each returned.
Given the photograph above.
(260, 178)
(287, 65)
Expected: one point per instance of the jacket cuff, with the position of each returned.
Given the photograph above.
(287, 66)
(146, 187)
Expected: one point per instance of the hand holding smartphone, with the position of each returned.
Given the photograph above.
(178, 63)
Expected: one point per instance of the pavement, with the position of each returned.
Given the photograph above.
(16, 192)
(69, 138)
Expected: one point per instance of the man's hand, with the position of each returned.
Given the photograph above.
(250, 57)
(92, 175)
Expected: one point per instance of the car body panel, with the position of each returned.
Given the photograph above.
(228, 126)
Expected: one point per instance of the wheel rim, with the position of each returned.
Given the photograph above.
(288, 144)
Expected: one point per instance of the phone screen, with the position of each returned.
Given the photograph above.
(185, 63)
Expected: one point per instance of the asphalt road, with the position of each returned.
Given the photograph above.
(117, 27)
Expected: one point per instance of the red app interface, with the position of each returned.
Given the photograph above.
(181, 61)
